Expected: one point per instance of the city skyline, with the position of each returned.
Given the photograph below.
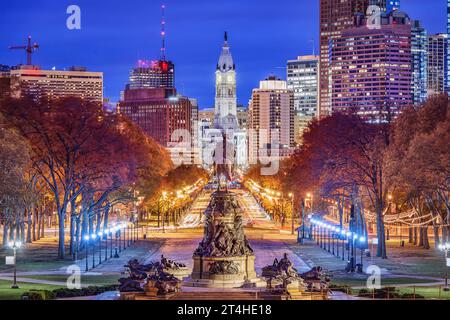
(194, 35)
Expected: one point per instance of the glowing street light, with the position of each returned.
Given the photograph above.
(15, 245)
(445, 247)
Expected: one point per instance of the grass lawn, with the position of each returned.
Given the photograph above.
(427, 292)
(352, 282)
(41, 255)
(6, 293)
(102, 280)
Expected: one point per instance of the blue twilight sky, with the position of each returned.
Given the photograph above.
(263, 34)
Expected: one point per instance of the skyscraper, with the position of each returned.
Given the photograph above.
(152, 74)
(386, 5)
(335, 17)
(419, 51)
(226, 100)
(271, 119)
(159, 112)
(437, 63)
(372, 69)
(303, 79)
(448, 46)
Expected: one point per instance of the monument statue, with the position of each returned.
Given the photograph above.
(224, 257)
(223, 156)
(162, 277)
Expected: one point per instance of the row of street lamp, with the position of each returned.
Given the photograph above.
(338, 241)
(120, 236)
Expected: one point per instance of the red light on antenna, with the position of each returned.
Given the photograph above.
(164, 66)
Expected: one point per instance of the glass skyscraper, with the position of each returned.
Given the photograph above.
(448, 51)
(419, 51)
(437, 63)
(303, 79)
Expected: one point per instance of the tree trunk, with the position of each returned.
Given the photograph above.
(106, 218)
(415, 236)
(421, 240)
(35, 219)
(29, 224)
(444, 234)
(426, 242)
(72, 234)
(410, 235)
(5, 234)
(61, 233)
(77, 237)
(437, 240)
(42, 221)
(381, 249)
(72, 226)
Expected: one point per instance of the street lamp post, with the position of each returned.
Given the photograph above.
(15, 245)
(110, 243)
(303, 219)
(445, 248)
(86, 244)
(100, 234)
(361, 243)
(291, 195)
(93, 237)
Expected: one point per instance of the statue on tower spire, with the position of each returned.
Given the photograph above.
(226, 36)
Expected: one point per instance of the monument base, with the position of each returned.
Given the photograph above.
(237, 272)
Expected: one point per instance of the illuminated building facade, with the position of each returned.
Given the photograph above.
(437, 63)
(419, 51)
(225, 114)
(303, 79)
(52, 84)
(159, 112)
(152, 74)
(271, 119)
(372, 71)
(226, 99)
(335, 17)
(448, 46)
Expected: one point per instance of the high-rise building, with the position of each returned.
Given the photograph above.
(372, 69)
(386, 5)
(152, 74)
(335, 17)
(437, 63)
(419, 51)
(303, 79)
(5, 81)
(448, 46)
(242, 117)
(159, 112)
(52, 84)
(226, 99)
(271, 120)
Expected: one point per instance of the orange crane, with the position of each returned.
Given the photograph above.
(29, 48)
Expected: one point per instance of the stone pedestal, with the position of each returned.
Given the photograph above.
(245, 277)
(180, 273)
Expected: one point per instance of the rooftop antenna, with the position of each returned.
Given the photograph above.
(29, 48)
(313, 46)
(163, 32)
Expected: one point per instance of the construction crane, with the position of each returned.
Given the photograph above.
(29, 48)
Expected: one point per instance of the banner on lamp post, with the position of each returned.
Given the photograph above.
(10, 261)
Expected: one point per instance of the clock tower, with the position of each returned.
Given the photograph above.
(226, 101)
